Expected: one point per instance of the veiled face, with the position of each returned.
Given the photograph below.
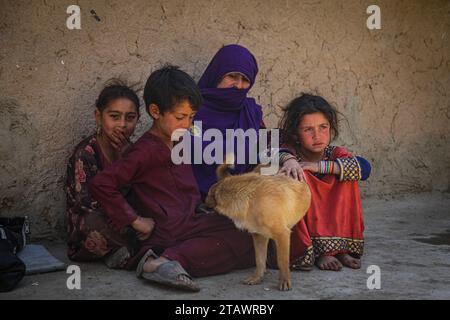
(234, 80)
(233, 60)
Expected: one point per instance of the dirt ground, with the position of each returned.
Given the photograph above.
(408, 239)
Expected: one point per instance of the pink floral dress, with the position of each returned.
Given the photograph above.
(90, 234)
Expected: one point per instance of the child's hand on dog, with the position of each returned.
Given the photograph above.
(293, 169)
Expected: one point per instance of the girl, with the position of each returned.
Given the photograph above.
(333, 227)
(90, 236)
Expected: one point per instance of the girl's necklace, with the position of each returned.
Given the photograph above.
(301, 157)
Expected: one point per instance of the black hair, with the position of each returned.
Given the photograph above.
(113, 90)
(169, 85)
(303, 105)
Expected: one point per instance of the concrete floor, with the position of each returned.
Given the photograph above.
(408, 239)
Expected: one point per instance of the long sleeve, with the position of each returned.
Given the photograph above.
(106, 185)
(365, 166)
(353, 168)
(82, 167)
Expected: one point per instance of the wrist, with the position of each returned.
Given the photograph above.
(125, 146)
(317, 167)
(289, 157)
(325, 167)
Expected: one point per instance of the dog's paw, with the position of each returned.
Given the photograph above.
(284, 285)
(253, 280)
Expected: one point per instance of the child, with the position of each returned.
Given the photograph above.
(332, 230)
(89, 235)
(181, 242)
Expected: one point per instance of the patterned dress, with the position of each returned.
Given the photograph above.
(334, 222)
(90, 234)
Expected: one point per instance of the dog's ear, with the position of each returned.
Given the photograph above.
(210, 200)
(223, 171)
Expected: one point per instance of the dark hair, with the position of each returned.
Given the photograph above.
(169, 85)
(303, 105)
(113, 90)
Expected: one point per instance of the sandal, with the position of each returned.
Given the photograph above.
(117, 259)
(301, 265)
(166, 274)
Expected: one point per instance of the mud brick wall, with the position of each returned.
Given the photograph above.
(392, 84)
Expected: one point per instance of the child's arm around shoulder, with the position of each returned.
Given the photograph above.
(352, 168)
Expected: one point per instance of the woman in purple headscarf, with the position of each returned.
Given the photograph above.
(224, 86)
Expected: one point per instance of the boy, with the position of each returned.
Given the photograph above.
(166, 195)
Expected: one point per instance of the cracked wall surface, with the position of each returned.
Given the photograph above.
(392, 84)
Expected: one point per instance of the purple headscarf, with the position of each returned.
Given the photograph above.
(228, 108)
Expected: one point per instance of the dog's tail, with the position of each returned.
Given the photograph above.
(222, 170)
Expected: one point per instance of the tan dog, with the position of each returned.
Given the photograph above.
(267, 207)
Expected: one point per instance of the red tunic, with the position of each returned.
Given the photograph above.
(204, 244)
(334, 222)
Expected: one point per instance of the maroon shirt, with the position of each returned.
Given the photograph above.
(161, 190)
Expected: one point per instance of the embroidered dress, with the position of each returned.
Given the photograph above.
(334, 222)
(89, 234)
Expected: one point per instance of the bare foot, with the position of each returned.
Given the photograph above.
(328, 263)
(348, 261)
(152, 264)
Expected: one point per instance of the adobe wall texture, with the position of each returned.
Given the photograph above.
(391, 84)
